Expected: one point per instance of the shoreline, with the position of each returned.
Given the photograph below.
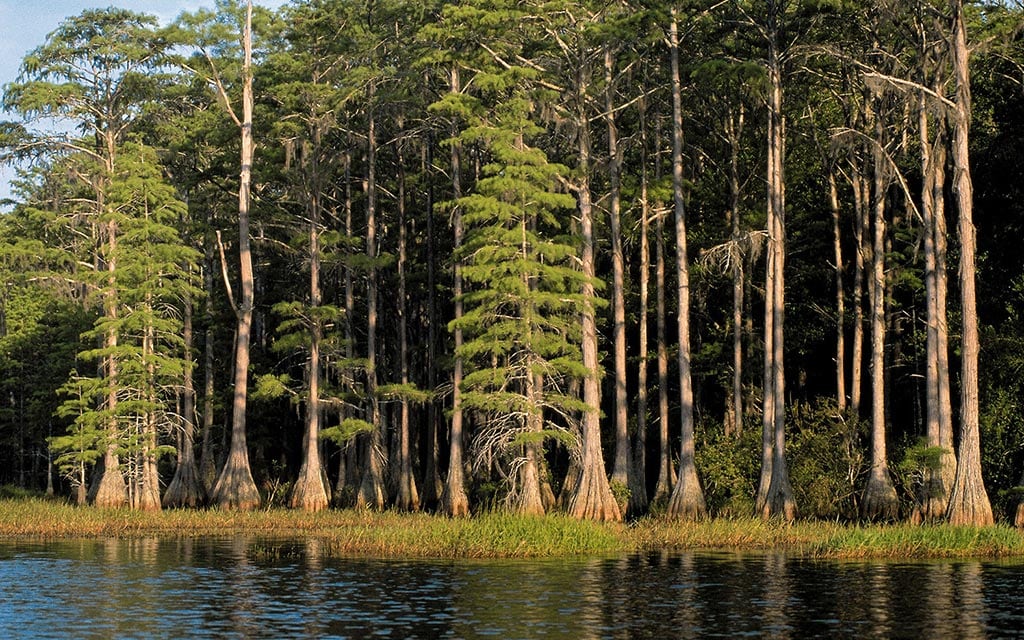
(390, 534)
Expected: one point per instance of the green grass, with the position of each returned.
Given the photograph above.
(391, 534)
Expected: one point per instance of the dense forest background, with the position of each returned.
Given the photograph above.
(603, 257)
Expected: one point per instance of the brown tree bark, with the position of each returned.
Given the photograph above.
(592, 498)
(687, 501)
(778, 500)
(622, 466)
(968, 502)
(640, 455)
(407, 497)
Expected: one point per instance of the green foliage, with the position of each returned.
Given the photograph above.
(728, 468)
(342, 434)
(826, 460)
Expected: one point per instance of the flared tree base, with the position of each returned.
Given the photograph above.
(308, 494)
(593, 499)
(185, 489)
(235, 489)
(880, 502)
(687, 501)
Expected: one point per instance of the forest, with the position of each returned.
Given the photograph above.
(602, 257)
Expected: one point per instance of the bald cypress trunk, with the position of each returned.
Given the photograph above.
(235, 487)
(968, 503)
(687, 501)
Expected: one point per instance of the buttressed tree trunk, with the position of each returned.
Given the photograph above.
(185, 489)
(687, 500)
(968, 503)
(309, 492)
(235, 488)
(592, 498)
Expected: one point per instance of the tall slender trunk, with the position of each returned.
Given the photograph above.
(880, 501)
(663, 487)
(621, 467)
(407, 498)
(778, 501)
(687, 500)
(149, 486)
(109, 487)
(345, 486)
(860, 224)
(933, 495)
(235, 488)
(837, 252)
(371, 490)
(592, 498)
(734, 124)
(968, 503)
(309, 492)
(432, 485)
(207, 465)
(640, 454)
(454, 501)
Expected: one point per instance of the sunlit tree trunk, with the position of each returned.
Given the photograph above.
(968, 503)
(640, 455)
(235, 487)
(734, 421)
(778, 500)
(687, 500)
(880, 501)
(592, 498)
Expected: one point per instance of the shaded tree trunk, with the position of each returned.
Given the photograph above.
(186, 489)
(454, 501)
(309, 492)
(406, 498)
(371, 492)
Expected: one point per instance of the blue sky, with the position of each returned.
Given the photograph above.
(24, 25)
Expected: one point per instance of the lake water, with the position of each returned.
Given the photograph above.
(245, 587)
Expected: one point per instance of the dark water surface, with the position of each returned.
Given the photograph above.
(245, 587)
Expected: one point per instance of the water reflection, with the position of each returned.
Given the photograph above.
(248, 587)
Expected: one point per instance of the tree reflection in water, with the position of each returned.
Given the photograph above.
(248, 587)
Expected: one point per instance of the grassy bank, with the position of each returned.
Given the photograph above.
(391, 534)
